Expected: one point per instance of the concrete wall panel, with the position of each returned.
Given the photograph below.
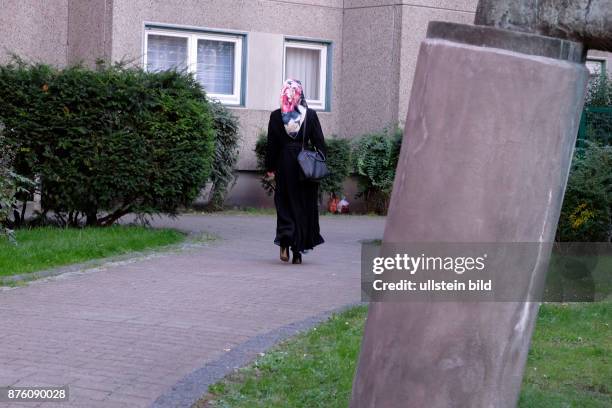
(89, 30)
(265, 70)
(247, 192)
(463, 5)
(414, 28)
(320, 3)
(455, 5)
(33, 31)
(246, 15)
(607, 56)
(370, 70)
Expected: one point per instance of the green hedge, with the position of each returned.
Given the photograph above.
(586, 215)
(109, 141)
(375, 158)
(339, 163)
(7, 184)
(599, 92)
(12, 185)
(227, 136)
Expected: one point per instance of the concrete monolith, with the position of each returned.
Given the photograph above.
(488, 142)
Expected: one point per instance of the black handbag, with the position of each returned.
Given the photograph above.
(312, 162)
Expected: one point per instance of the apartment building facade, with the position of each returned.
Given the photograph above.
(356, 58)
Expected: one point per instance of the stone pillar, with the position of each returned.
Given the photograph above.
(486, 153)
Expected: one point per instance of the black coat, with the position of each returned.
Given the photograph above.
(296, 200)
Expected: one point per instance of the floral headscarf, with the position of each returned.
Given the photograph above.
(293, 106)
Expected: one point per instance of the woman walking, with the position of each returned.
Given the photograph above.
(297, 212)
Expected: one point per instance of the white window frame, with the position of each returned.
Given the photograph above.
(318, 104)
(192, 56)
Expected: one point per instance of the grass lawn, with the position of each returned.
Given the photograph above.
(44, 248)
(568, 364)
(570, 360)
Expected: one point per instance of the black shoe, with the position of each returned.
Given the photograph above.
(284, 254)
(297, 258)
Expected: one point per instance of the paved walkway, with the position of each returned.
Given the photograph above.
(123, 335)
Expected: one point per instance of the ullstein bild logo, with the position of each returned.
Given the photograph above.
(484, 272)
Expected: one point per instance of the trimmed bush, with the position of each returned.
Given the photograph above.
(110, 141)
(586, 215)
(339, 164)
(10, 185)
(227, 136)
(596, 121)
(7, 187)
(375, 158)
(599, 92)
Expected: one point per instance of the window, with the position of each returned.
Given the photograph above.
(307, 61)
(214, 58)
(165, 52)
(215, 66)
(596, 67)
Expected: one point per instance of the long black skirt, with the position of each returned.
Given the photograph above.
(296, 200)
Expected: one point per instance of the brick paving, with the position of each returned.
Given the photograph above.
(122, 335)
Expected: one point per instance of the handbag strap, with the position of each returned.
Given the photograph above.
(304, 131)
(304, 136)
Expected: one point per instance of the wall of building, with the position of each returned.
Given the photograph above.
(416, 17)
(266, 23)
(370, 72)
(89, 31)
(34, 32)
(380, 46)
(605, 56)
